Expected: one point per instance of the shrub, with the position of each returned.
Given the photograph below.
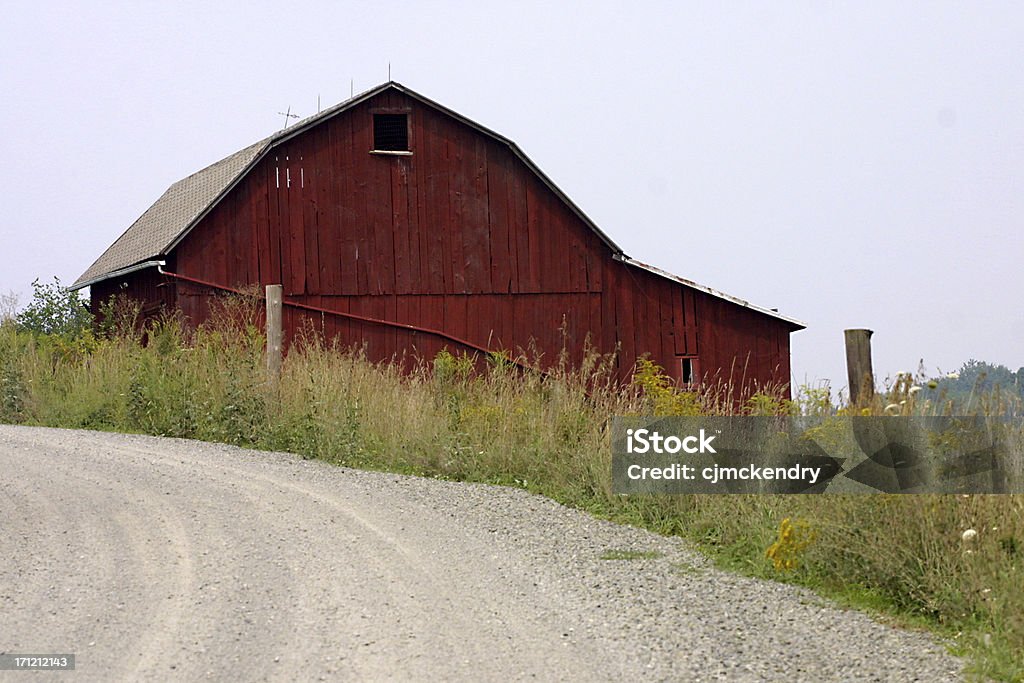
(55, 310)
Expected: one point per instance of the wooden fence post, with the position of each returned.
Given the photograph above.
(858, 366)
(275, 332)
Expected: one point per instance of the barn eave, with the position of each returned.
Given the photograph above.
(120, 272)
(794, 323)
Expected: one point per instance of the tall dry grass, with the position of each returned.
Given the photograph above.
(488, 420)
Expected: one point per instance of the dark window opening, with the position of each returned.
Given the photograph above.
(688, 374)
(390, 133)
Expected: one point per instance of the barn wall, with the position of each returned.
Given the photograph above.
(741, 347)
(322, 216)
(459, 236)
(147, 288)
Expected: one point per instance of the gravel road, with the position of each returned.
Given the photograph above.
(163, 559)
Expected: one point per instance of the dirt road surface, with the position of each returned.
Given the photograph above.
(161, 559)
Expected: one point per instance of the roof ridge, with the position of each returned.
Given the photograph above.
(287, 131)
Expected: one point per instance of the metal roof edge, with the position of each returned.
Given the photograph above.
(709, 290)
(78, 283)
(142, 265)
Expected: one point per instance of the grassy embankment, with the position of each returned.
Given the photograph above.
(903, 555)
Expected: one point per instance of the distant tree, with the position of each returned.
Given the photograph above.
(55, 310)
(8, 306)
(977, 378)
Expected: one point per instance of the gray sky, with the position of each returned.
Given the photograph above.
(853, 165)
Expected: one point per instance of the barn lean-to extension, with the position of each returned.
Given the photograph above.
(422, 229)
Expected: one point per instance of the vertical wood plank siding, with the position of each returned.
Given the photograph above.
(460, 235)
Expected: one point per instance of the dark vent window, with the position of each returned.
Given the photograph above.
(689, 375)
(390, 132)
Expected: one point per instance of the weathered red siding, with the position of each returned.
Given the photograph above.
(154, 292)
(462, 236)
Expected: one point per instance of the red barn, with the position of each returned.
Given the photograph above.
(411, 228)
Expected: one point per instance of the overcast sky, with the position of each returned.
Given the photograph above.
(853, 165)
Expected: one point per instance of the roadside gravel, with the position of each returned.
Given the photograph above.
(157, 559)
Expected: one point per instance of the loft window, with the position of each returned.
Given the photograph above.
(390, 132)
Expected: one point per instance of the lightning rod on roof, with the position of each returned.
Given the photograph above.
(389, 72)
(352, 87)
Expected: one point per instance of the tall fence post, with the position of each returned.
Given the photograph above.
(858, 366)
(275, 332)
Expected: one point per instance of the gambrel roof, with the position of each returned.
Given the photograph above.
(164, 224)
(173, 215)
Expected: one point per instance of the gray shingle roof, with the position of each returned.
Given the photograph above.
(170, 215)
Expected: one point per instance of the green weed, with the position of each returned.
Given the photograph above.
(631, 555)
(489, 420)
